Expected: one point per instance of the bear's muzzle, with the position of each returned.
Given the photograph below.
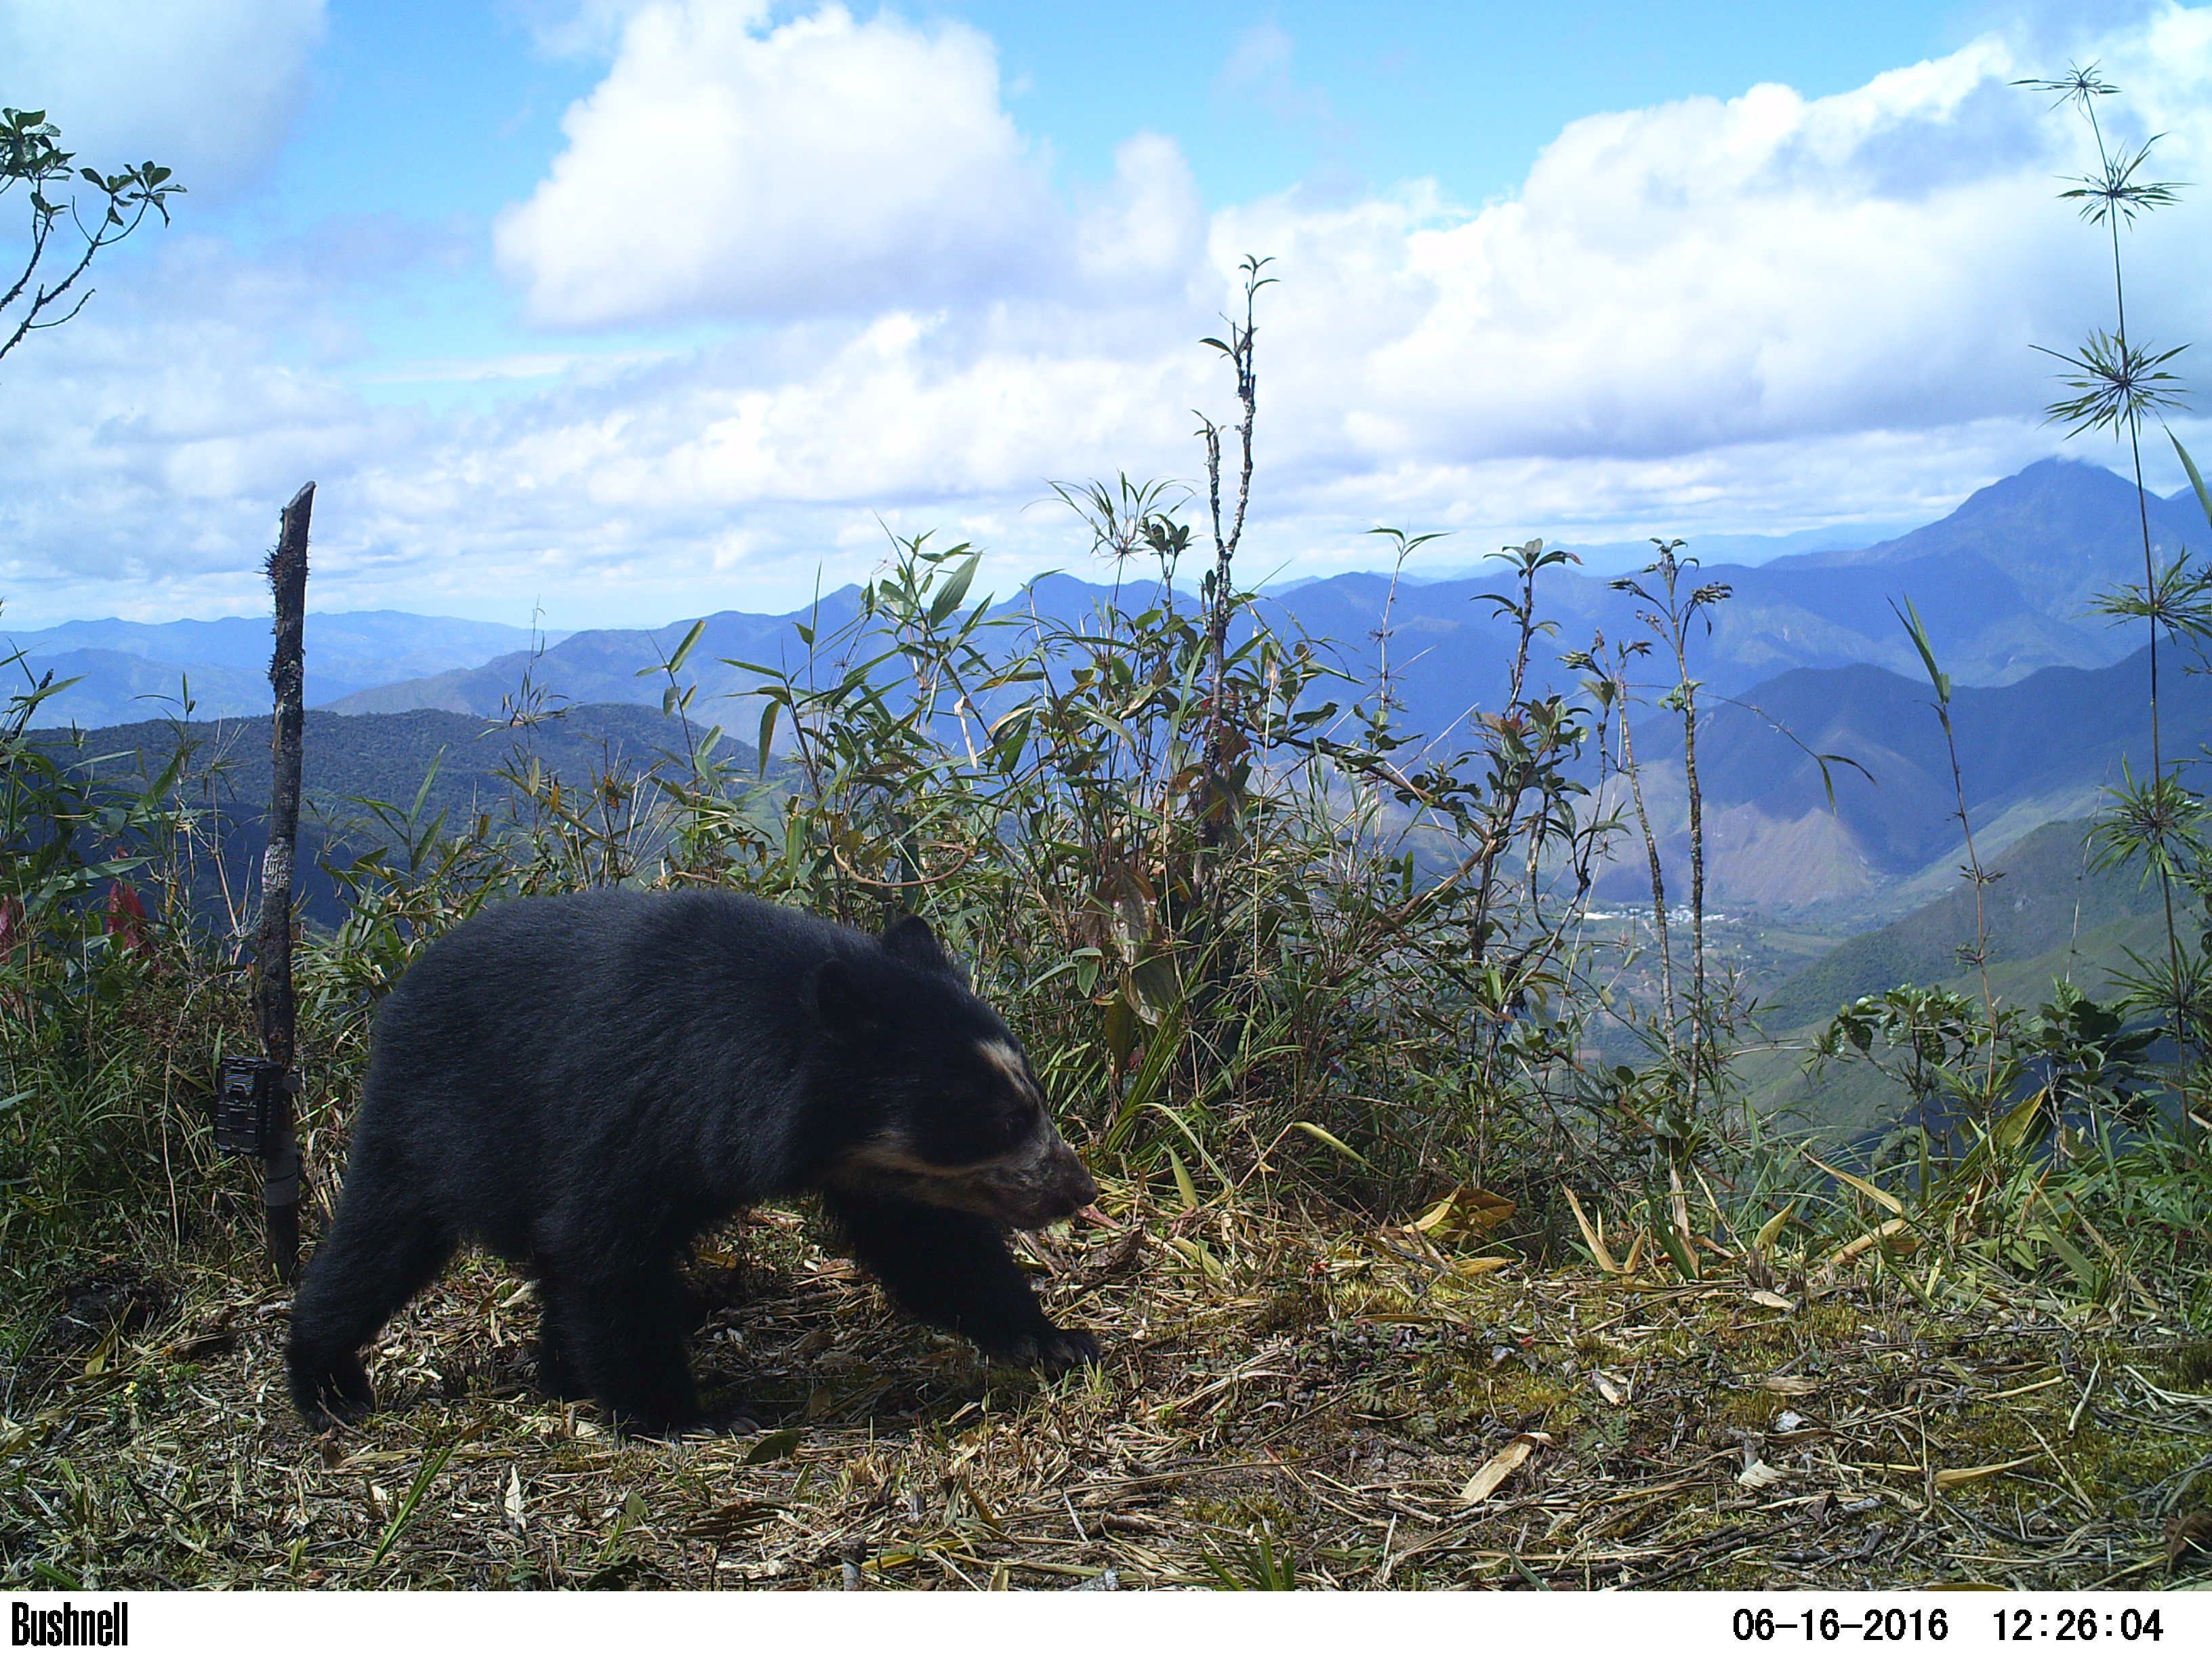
(1033, 1184)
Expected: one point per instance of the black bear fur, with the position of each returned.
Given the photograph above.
(585, 1084)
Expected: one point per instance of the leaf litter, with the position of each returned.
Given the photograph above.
(1331, 1406)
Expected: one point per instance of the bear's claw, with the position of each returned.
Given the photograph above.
(1052, 1351)
(341, 1397)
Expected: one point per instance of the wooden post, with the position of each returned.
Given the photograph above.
(288, 579)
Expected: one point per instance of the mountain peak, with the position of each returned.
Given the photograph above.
(2065, 530)
(2055, 477)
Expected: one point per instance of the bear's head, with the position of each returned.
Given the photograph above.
(940, 1100)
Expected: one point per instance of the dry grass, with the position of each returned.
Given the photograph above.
(1276, 1397)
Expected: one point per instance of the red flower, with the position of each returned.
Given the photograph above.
(126, 919)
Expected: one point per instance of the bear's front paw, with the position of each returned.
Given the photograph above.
(1051, 1350)
(1066, 1350)
(341, 1395)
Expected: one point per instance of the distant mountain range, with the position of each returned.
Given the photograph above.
(2049, 701)
(2040, 749)
(130, 671)
(452, 762)
(1611, 558)
(2061, 532)
(2048, 913)
(613, 665)
(2004, 582)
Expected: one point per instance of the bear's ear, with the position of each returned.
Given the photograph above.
(911, 941)
(844, 1005)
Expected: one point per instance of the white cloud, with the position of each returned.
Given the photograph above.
(208, 89)
(1760, 312)
(146, 447)
(1698, 275)
(1730, 314)
(1147, 235)
(574, 28)
(825, 166)
(1709, 282)
(724, 168)
(1258, 71)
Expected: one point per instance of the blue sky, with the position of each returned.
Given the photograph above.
(637, 310)
(439, 116)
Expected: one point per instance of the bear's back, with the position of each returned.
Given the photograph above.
(547, 1044)
(599, 963)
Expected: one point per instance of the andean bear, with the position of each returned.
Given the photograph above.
(585, 1084)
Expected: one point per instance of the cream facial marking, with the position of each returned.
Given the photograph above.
(891, 1151)
(1029, 1186)
(1005, 1058)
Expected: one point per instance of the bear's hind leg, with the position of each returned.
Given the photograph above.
(621, 1339)
(557, 1377)
(954, 1271)
(372, 1265)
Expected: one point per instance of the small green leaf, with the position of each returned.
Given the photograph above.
(1678, 1248)
(1184, 1184)
(683, 650)
(429, 777)
(1328, 1140)
(1917, 631)
(2195, 478)
(407, 1505)
(767, 731)
(770, 1447)
(955, 590)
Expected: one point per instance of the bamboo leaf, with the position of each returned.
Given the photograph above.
(1772, 1230)
(683, 650)
(1888, 1201)
(1917, 631)
(767, 732)
(1193, 1251)
(407, 1505)
(1866, 1240)
(1184, 1185)
(1679, 1248)
(1159, 1054)
(1492, 1474)
(955, 590)
(1328, 1140)
(2195, 478)
(1598, 1252)
(1465, 1212)
(1947, 1479)
(771, 1447)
